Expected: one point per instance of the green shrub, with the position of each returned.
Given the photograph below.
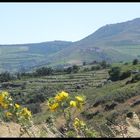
(125, 75)
(136, 78)
(44, 71)
(115, 73)
(135, 61)
(97, 67)
(6, 76)
(34, 107)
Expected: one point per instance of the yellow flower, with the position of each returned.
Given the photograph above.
(73, 103)
(58, 98)
(54, 106)
(82, 123)
(4, 93)
(8, 114)
(4, 105)
(61, 96)
(26, 112)
(79, 99)
(1, 98)
(17, 106)
(64, 94)
(76, 123)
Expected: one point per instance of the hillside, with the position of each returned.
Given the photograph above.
(112, 42)
(108, 103)
(24, 56)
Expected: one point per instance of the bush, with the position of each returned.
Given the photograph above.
(135, 61)
(136, 78)
(34, 107)
(69, 70)
(125, 74)
(5, 77)
(115, 73)
(73, 69)
(84, 63)
(86, 69)
(103, 64)
(44, 71)
(98, 67)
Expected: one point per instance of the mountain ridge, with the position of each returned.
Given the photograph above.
(111, 42)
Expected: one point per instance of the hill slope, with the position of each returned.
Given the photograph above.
(113, 42)
(17, 57)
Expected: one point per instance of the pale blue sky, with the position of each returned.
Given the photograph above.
(40, 22)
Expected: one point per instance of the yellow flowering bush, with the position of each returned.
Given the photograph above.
(53, 106)
(58, 101)
(11, 111)
(5, 100)
(8, 114)
(79, 99)
(61, 96)
(78, 123)
(73, 104)
(68, 106)
(82, 129)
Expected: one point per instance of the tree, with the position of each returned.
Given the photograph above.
(75, 68)
(5, 77)
(115, 73)
(44, 71)
(84, 63)
(69, 70)
(125, 74)
(103, 64)
(97, 67)
(135, 61)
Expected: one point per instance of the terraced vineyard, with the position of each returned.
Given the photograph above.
(69, 82)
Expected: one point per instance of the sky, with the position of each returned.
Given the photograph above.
(41, 22)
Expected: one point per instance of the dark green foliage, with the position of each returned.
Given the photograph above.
(73, 69)
(135, 61)
(6, 76)
(44, 71)
(86, 69)
(69, 70)
(125, 74)
(37, 98)
(130, 115)
(103, 64)
(136, 78)
(84, 63)
(115, 73)
(126, 63)
(34, 107)
(97, 67)
(89, 115)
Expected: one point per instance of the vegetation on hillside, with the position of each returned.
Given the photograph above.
(111, 91)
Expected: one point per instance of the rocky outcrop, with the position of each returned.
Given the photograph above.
(132, 127)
